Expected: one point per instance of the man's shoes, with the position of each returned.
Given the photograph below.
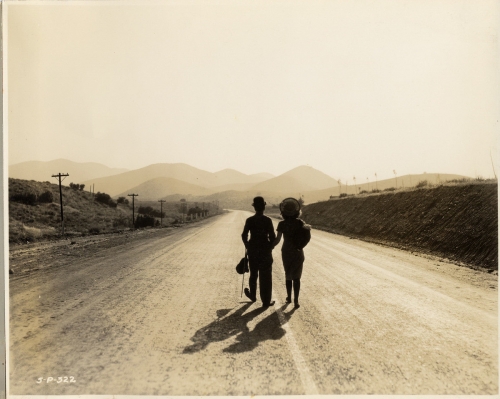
(249, 296)
(266, 305)
(296, 305)
(288, 300)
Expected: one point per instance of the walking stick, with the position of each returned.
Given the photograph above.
(244, 271)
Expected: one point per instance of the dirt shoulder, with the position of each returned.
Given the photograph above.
(27, 258)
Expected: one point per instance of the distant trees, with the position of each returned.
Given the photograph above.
(77, 187)
(122, 200)
(104, 198)
(148, 210)
(422, 184)
(197, 211)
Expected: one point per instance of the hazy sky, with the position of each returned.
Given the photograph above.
(348, 87)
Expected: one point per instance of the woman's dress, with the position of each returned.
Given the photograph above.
(293, 258)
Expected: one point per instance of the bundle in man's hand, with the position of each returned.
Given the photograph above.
(242, 267)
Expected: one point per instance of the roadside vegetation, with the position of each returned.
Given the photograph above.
(35, 213)
(457, 220)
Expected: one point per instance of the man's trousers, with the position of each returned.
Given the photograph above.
(261, 268)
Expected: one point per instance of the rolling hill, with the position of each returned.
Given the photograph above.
(180, 171)
(161, 187)
(405, 181)
(228, 177)
(78, 172)
(298, 180)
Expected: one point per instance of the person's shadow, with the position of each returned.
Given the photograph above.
(236, 324)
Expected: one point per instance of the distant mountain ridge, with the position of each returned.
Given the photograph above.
(230, 187)
(300, 179)
(160, 187)
(78, 171)
(179, 171)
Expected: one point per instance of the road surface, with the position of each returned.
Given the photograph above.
(160, 313)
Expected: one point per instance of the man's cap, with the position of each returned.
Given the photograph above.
(290, 207)
(258, 201)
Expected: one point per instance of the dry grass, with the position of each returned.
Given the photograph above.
(458, 220)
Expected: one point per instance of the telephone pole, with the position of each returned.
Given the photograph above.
(59, 176)
(161, 211)
(133, 208)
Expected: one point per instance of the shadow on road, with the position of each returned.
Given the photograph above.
(236, 325)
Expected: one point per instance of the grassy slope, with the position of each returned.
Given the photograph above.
(81, 214)
(459, 222)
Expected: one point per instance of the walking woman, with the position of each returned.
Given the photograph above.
(292, 250)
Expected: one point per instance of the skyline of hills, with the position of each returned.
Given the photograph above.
(160, 187)
(231, 187)
(78, 171)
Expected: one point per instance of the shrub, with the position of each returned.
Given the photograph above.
(122, 200)
(94, 230)
(26, 197)
(193, 211)
(144, 221)
(147, 210)
(106, 199)
(363, 192)
(122, 221)
(422, 183)
(46, 197)
(376, 190)
(342, 195)
(462, 180)
(390, 189)
(77, 187)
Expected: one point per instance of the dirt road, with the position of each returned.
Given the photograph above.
(160, 313)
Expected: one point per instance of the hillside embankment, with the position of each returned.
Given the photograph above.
(34, 212)
(458, 222)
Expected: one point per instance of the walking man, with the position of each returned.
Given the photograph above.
(259, 249)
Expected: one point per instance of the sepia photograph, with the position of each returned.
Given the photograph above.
(251, 198)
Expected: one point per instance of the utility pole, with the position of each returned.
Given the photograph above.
(396, 176)
(59, 176)
(133, 208)
(355, 185)
(376, 185)
(161, 211)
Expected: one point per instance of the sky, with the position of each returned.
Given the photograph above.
(351, 88)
